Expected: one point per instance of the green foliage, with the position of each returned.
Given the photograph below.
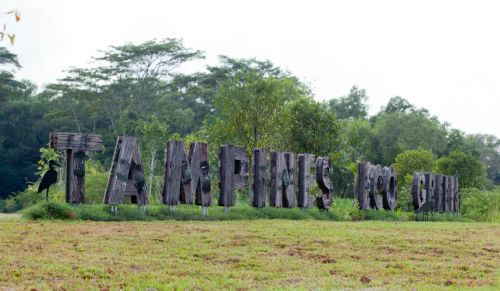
(480, 205)
(342, 210)
(410, 161)
(50, 210)
(351, 106)
(250, 107)
(396, 132)
(310, 128)
(469, 169)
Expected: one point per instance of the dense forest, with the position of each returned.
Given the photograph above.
(139, 90)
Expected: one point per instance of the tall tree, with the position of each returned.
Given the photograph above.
(249, 108)
(351, 106)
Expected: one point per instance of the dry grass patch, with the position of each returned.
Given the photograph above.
(248, 255)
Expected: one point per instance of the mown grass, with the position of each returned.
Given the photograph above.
(248, 254)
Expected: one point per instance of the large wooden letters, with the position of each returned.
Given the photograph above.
(259, 186)
(282, 181)
(233, 173)
(200, 176)
(323, 166)
(305, 181)
(126, 177)
(75, 145)
(177, 175)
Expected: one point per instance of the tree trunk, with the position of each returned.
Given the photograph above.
(151, 172)
(254, 136)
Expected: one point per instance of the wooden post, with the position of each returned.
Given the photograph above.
(259, 186)
(375, 192)
(233, 173)
(282, 179)
(437, 198)
(419, 195)
(75, 145)
(456, 197)
(126, 176)
(305, 181)
(177, 175)
(451, 199)
(200, 173)
(323, 166)
(363, 185)
(389, 188)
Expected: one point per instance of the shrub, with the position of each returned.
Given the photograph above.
(50, 210)
(480, 204)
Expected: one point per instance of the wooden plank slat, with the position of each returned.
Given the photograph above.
(305, 181)
(282, 179)
(77, 141)
(363, 185)
(200, 173)
(259, 186)
(177, 175)
(233, 173)
(323, 166)
(126, 174)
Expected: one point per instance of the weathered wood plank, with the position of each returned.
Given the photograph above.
(437, 197)
(447, 205)
(418, 193)
(177, 175)
(233, 173)
(456, 197)
(323, 166)
(200, 173)
(290, 190)
(77, 141)
(126, 170)
(282, 179)
(75, 145)
(363, 185)
(259, 186)
(375, 191)
(305, 181)
(78, 180)
(389, 188)
(226, 176)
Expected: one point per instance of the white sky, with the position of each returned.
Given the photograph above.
(441, 55)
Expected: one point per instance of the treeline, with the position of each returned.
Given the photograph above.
(138, 90)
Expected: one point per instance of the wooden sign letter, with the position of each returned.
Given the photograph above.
(233, 173)
(200, 173)
(126, 177)
(323, 166)
(259, 186)
(75, 145)
(305, 181)
(177, 175)
(282, 181)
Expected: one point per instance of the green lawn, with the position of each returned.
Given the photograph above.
(271, 254)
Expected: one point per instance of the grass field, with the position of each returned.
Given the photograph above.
(271, 254)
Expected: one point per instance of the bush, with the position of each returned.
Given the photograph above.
(480, 205)
(342, 210)
(50, 210)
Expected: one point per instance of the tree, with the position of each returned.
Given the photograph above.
(310, 128)
(351, 106)
(399, 104)
(250, 106)
(396, 132)
(410, 161)
(469, 169)
(153, 137)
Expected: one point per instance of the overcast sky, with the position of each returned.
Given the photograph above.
(441, 55)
